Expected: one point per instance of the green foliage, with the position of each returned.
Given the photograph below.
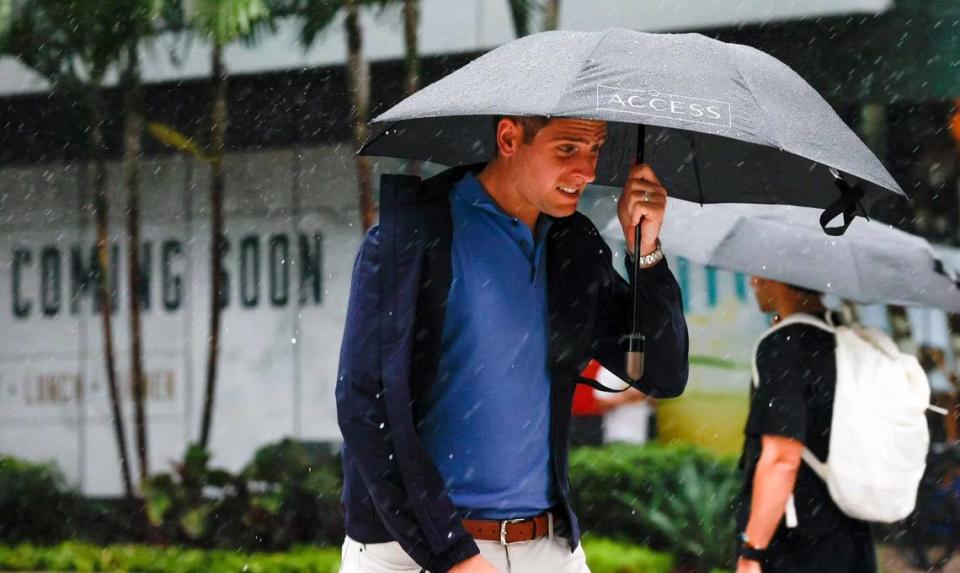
(6, 14)
(288, 494)
(73, 43)
(195, 502)
(294, 495)
(225, 21)
(73, 556)
(603, 556)
(35, 502)
(678, 499)
(607, 556)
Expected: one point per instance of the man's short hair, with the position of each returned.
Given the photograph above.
(804, 290)
(530, 124)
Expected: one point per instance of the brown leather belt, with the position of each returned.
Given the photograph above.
(509, 530)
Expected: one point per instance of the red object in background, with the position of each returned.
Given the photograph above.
(584, 400)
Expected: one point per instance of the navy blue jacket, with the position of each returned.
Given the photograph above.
(391, 347)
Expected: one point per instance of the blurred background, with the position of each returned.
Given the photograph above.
(134, 131)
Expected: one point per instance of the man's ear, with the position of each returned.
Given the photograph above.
(509, 136)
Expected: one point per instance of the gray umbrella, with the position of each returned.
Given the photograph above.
(726, 123)
(871, 263)
(719, 122)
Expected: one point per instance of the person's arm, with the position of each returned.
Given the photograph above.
(406, 488)
(666, 348)
(779, 410)
(773, 482)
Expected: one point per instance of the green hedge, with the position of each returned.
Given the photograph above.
(678, 499)
(36, 504)
(289, 494)
(75, 556)
(603, 556)
(673, 499)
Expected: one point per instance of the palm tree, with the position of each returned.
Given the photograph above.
(223, 22)
(358, 76)
(316, 16)
(551, 15)
(139, 28)
(411, 26)
(73, 44)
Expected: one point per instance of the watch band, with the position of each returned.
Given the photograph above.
(653, 258)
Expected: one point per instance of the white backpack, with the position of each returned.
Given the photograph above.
(879, 436)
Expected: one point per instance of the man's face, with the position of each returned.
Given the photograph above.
(764, 291)
(553, 169)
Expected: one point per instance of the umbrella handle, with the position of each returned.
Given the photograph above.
(635, 340)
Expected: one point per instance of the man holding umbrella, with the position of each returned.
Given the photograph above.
(483, 293)
(463, 468)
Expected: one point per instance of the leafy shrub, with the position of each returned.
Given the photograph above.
(294, 495)
(74, 556)
(607, 556)
(603, 556)
(196, 503)
(675, 499)
(36, 504)
(288, 494)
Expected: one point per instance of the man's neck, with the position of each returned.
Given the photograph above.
(501, 186)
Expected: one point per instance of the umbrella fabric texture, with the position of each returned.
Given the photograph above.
(724, 122)
(871, 263)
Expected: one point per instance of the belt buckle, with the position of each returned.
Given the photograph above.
(503, 528)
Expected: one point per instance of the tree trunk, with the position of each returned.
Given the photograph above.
(551, 15)
(359, 81)
(520, 14)
(133, 129)
(104, 280)
(218, 136)
(411, 26)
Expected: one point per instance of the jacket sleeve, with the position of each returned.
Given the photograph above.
(662, 323)
(419, 516)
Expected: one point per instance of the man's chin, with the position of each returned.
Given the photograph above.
(561, 211)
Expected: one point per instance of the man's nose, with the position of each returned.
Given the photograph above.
(586, 169)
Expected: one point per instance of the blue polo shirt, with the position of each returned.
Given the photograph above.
(486, 420)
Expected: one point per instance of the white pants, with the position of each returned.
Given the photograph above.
(544, 555)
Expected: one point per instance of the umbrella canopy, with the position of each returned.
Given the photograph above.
(724, 122)
(872, 263)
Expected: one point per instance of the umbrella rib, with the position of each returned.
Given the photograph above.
(576, 76)
(696, 165)
(763, 112)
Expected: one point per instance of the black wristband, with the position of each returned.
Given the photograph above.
(747, 551)
(751, 553)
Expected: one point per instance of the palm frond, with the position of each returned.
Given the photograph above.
(224, 21)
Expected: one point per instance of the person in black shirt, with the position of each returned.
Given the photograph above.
(791, 408)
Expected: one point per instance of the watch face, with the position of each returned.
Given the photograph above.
(743, 538)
